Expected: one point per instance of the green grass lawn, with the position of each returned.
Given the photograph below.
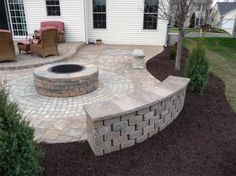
(174, 29)
(222, 56)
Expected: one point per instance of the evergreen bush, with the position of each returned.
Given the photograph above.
(197, 69)
(19, 154)
(192, 21)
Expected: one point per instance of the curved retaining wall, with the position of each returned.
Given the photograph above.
(126, 121)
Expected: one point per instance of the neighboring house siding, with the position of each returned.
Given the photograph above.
(72, 14)
(224, 17)
(228, 21)
(125, 25)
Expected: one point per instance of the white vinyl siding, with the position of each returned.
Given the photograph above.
(125, 25)
(72, 14)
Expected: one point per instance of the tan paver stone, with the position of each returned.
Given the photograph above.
(44, 124)
(73, 132)
(61, 138)
(84, 137)
(60, 124)
(76, 124)
(39, 132)
(51, 134)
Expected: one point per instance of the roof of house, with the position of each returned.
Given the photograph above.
(226, 7)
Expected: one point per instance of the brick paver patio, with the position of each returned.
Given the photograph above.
(63, 119)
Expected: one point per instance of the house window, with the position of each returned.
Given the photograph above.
(53, 8)
(17, 17)
(197, 22)
(150, 14)
(199, 6)
(201, 21)
(203, 7)
(99, 14)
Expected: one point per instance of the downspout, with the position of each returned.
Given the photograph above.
(85, 22)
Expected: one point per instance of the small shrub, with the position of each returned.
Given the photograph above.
(197, 69)
(192, 21)
(19, 154)
(173, 50)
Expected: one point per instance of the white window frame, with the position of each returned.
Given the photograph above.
(99, 13)
(150, 13)
(53, 6)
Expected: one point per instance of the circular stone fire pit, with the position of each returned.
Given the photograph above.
(65, 80)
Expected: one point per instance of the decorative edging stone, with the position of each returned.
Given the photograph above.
(127, 121)
(69, 55)
(74, 84)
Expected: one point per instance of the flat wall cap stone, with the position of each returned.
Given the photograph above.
(138, 53)
(137, 100)
(44, 73)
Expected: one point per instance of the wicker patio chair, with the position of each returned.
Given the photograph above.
(47, 44)
(7, 49)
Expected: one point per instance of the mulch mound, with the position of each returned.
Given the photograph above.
(201, 141)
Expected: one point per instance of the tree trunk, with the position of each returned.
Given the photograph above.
(179, 51)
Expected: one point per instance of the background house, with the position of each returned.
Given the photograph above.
(202, 11)
(112, 21)
(223, 16)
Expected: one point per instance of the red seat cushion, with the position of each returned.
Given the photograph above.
(23, 43)
(57, 24)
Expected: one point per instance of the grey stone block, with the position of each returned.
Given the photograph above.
(97, 151)
(148, 129)
(127, 130)
(142, 138)
(143, 111)
(135, 134)
(128, 116)
(120, 140)
(142, 125)
(135, 120)
(163, 126)
(111, 135)
(111, 149)
(163, 114)
(158, 123)
(127, 144)
(111, 121)
(156, 106)
(98, 124)
(98, 140)
(159, 108)
(102, 131)
(154, 119)
(153, 132)
(120, 125)
(149, 115)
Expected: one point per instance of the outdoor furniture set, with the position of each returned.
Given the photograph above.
(43, 42)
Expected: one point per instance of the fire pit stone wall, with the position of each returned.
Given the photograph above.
(73, 84)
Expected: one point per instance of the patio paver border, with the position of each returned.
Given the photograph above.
(69, 55)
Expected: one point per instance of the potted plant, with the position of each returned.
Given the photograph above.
(99, 41)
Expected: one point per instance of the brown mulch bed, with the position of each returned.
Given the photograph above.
(201, 141)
